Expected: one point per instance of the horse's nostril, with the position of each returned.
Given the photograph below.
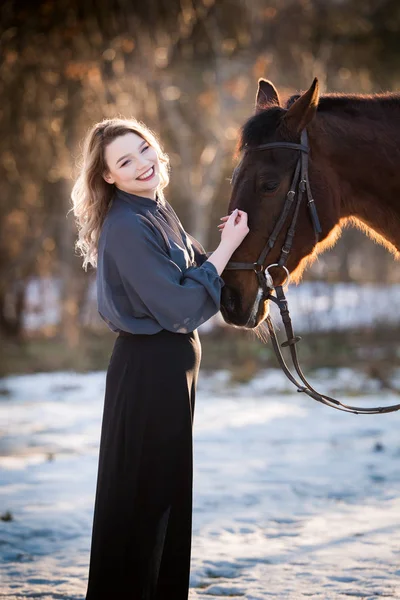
(227, 298)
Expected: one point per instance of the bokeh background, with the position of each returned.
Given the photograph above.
(189, 69)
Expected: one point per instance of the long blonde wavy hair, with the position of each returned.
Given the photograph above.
(91, 195)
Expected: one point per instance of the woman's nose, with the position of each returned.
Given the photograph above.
(142, 162)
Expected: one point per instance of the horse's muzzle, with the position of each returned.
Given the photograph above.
(233, 313)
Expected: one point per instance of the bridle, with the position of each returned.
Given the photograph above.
(265, 283)
(299, 185)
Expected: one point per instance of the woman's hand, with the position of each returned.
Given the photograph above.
(234, 228)
(233, 231)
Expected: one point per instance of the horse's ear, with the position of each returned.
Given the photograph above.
(267, 95)
(303, 110)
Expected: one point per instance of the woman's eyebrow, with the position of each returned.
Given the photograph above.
(126, 155)
(122, 158)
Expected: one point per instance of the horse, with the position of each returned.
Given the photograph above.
(342, 152)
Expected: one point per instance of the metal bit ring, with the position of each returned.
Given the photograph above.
(269, 278)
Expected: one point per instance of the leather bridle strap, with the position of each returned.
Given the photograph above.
(291, 195)
(291, 146)
(287, 246)
(305, 187)
(281, 301)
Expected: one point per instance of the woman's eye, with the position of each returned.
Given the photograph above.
(269, 186)
(142, 150)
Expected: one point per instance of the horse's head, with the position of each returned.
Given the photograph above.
(260, 186)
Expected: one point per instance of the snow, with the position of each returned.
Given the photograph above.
(314, 306)
(291, 499)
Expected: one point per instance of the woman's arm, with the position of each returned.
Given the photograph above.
(221, 255)
(178, 300)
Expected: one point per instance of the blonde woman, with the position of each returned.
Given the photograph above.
(155, 286)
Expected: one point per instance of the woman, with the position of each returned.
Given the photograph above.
(155, 286)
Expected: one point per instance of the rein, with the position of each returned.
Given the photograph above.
(298, 187)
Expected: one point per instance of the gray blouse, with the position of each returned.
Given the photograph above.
(151, 274)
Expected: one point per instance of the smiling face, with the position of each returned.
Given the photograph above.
(133, 165)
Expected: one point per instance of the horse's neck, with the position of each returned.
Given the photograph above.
(365, 158)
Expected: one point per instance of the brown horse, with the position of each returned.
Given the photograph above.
(354, 175)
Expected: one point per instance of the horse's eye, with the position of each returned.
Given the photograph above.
(269, 186)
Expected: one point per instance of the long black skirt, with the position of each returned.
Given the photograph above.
(142, 526)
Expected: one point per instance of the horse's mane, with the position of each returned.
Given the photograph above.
(267, 121)
(353, 102)
(253, 131)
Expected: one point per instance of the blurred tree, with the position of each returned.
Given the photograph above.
(188, 68)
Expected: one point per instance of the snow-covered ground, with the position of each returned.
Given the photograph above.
(314, 306)
(292, 499)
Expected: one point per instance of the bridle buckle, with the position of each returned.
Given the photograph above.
(257, 267)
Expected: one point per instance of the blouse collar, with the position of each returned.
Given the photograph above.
(136, 200)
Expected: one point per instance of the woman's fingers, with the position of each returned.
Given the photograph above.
(237, 211)
(236, 215)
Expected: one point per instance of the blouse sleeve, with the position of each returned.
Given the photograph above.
(179, 301)
(199, 252)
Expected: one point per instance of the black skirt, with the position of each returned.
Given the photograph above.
(142, 526)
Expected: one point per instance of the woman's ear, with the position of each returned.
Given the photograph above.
(107, 177)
